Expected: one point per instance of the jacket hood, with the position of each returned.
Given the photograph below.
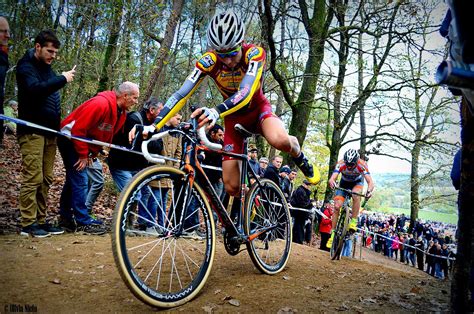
(29, 56)
(111, 97)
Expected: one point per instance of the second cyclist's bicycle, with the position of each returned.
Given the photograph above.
(342, 227)
(164, 234)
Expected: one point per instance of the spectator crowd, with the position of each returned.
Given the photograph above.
(429, 247)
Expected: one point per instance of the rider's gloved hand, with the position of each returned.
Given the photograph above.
(368, 194)
(210, 114)
(148, 129)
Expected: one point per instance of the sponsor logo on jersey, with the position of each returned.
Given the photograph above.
(252, 53)
(171, 102)
(230, 74)
(206, 61)
(240, 94)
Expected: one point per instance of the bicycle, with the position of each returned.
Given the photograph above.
(341, 232)
(168, 268)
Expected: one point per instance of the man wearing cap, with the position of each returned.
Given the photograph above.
(263, 163)
(253, 161)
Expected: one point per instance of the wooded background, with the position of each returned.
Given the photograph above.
(338, 72)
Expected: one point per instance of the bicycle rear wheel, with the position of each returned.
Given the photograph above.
(340, 233)
(166, 261)
(266, 209)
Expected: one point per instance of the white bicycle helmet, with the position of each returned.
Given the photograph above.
(351, 156)
(225, 31)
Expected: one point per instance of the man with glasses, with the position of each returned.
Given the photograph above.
(4, 36)
(237, 70)
(353, 171)
(38, 102)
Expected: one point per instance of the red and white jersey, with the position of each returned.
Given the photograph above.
(351, 175)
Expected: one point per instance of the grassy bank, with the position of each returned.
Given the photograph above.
(425, 215)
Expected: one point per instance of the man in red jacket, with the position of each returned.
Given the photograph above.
(325, 226)
(98, 118)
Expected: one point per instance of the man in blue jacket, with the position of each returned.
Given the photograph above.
(38, 102)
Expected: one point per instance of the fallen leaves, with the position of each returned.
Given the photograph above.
(10, 178)
(234, 302)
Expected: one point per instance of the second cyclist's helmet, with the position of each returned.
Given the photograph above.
(351, 156)
(225, 31)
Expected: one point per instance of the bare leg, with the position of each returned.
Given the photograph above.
(356, 202)
(231, 176)
(335, 215)
(276, 135)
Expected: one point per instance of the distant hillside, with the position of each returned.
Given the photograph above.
(387, 180)
(393, 190)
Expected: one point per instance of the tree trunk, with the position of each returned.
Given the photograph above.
(91, 15)
(360, 70)
(280, 100)
(333, 155)
(303, 106)
(316, 27)
(104, 83)
(165, 48)
(414, 186)
(463, 273)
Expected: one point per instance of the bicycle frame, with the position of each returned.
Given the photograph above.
(348, 197)
(191, 165)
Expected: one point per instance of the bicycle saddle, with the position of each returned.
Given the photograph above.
(245, 133)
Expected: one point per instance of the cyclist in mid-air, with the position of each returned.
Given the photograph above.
(353, 171)
(237, 70)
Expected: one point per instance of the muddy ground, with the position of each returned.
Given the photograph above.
(76, 273)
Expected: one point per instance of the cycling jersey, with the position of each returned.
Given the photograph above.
(241, 88)
(351, 175)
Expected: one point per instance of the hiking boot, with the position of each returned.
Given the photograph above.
(92, 229)
(51, 228)
(194, 235)
(353, 224)
(329, 243)
(310, 172)
(152, 231)
(68, 225)
(35, 231)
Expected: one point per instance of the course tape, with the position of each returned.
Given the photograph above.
(405, 245)
(89, 140)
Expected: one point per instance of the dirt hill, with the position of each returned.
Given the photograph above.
(75, 272)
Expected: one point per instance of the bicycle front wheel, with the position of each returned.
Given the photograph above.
(340, 233)
(267, 218)
(163, 249)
